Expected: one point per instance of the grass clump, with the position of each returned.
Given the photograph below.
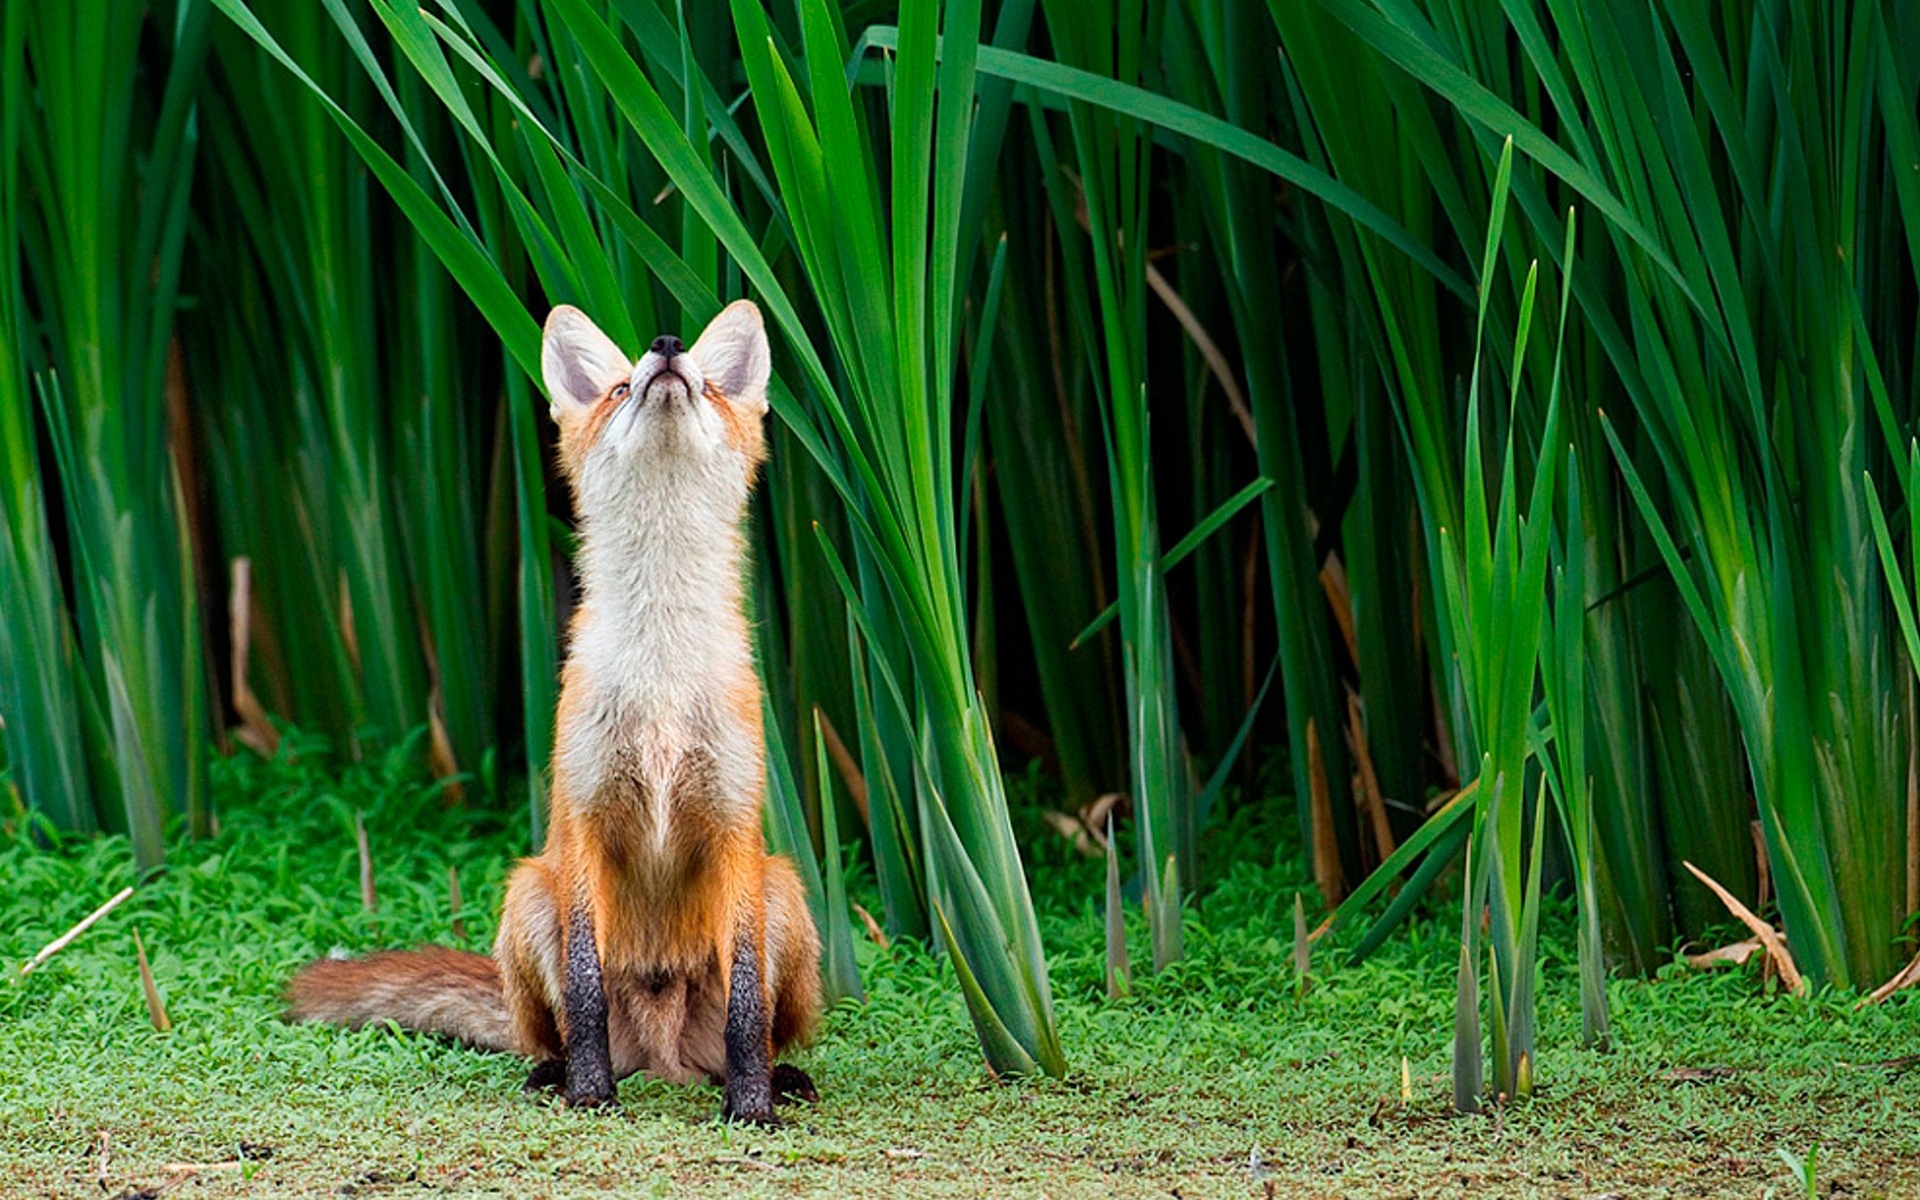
(1213, 1077)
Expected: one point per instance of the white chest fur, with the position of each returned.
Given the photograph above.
(660, 653)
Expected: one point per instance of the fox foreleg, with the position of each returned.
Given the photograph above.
(589, 1063)
(749, 1032)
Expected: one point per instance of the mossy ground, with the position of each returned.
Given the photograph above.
(1212, 1079)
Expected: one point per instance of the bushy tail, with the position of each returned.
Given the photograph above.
(431, 990)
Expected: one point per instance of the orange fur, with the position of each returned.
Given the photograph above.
(435, 989)
(654, 819)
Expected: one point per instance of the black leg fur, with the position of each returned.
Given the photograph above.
(589, 1065)
(749, 1087)
(792, 1085)
(548, 1075)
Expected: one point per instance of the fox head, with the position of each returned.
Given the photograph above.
(681, 419)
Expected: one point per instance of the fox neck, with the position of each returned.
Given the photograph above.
(662, 626)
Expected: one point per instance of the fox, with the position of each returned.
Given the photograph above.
(653, 932)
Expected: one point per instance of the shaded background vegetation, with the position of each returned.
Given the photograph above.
(1508, 408)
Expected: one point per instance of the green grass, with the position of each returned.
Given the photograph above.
(1208, 1068)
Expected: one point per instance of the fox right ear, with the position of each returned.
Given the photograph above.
(578, 362)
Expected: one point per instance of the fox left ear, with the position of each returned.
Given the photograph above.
(577, 362)
(733, 355)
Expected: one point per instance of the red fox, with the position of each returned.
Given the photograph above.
(654, 932)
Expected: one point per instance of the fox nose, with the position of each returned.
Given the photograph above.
(667, 346)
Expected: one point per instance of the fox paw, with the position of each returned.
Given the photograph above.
(592, 1100)
(791, 1084)
(760, 1119)
(548, 1076)
(748, 1102)
(589, 1082)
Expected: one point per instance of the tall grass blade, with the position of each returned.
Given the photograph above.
(109, 163)
(1113, 156)
(1119, 976)
(39, 684)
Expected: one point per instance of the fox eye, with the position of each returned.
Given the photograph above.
(619, 391)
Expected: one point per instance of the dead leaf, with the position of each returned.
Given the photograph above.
(1892, 1066)
(1326, 851)
(1906, 977)
(844, 762)
(66, 939)
(1069, 827)
(455, 922)
(369, 898)
(1368, 793)
(1769, 937)
(1699, 1074)
(1333, 582)
(156, 1009)
(103, 1157)
(256, 731)
(440, 756)
(1087, 828)
(1737, 955)
(1097, 814)
(874, 931)
(1763, 865)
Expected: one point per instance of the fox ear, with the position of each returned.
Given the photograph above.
(579, 362)
(733, 355)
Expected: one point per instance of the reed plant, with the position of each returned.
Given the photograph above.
(1533, 384)
(104, 168)
(1738, 170)
(39, 696)
(1113, 153)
